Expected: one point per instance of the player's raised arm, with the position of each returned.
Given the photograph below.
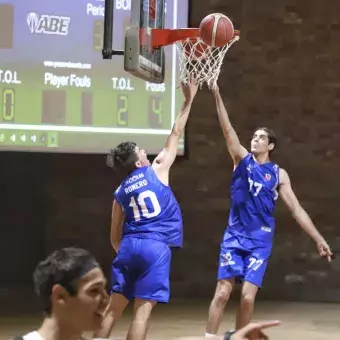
(236, 150)
(300, 215)
(165, 159)
(117, 220)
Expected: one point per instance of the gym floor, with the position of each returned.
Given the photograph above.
(187, 318)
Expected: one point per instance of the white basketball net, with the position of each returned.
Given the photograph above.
(200, 60)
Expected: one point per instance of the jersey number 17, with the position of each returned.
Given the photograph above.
(256, 185)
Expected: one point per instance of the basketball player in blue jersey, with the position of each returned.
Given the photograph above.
(247, 243)
(146, 223)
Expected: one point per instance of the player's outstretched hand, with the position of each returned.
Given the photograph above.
(214, 89)
(189, 89)
(253, 331)
(324, 250)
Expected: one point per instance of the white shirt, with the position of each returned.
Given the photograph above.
(33, 336)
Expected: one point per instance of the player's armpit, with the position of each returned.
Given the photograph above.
(236, 150)
(117, 220)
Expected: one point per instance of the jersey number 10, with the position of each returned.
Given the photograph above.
(140, 208)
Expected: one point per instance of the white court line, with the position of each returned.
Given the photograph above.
(62, 128)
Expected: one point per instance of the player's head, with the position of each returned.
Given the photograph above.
(263, 141)
(127, 156)
(71, 287)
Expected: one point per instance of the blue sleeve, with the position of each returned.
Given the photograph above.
(116, 196)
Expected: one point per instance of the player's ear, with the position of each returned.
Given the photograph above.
(59, 295)
(271, 146)
(138, 164)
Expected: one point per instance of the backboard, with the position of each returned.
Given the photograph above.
(140, 58)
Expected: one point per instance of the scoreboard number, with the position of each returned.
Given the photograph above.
(8, 105)
(122, 112)
(156, 109)
(98, 35)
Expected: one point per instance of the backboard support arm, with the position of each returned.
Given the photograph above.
(108, 51)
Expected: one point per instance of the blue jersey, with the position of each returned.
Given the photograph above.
(253, 197)
(151, 209)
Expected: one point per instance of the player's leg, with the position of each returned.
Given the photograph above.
(112, 314)
(247, 303)
(255, 268)
(231, 265)
(217, 305)
(122, 281)
(140, 319)
(152, 284)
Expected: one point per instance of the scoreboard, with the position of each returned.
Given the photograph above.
(58, 94)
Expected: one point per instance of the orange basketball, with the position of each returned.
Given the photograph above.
(216, 30)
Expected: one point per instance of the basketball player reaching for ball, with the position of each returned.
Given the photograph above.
(152, 224)
(247, 242)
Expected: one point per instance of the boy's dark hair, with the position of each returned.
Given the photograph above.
(64, 267)
(123, 158)
(271, 137)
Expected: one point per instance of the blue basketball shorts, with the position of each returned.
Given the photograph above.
(141, 270)
(243, 258)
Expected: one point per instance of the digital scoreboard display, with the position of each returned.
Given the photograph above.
(57, 94)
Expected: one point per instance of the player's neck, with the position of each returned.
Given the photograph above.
(52, 330)
(262, 158)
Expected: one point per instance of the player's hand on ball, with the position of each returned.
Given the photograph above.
(324, 250)
(190, 88)
(253, 331)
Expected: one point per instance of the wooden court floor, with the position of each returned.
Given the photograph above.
(301, 321)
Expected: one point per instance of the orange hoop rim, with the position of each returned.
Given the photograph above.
(194, 39)
(163, 37)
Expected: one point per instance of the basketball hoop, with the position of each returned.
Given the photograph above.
(202, 61)
(195, 57)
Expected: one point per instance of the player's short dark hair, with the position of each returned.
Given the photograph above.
(123, 157)
(64, 267)
(272, 139)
